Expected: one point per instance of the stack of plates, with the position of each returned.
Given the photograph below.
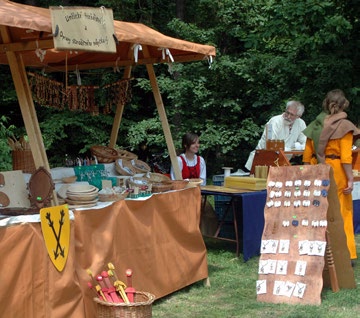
(82, 195)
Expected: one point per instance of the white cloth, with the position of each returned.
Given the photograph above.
(281, 130)
(191, 163)
(31, 218)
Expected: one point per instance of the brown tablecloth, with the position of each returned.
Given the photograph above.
(159, 239)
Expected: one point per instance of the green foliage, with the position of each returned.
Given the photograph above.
(72, 133)
(268, 51)
(149, 131)
(5, 150)
(154, 13)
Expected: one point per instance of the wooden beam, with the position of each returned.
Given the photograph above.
(27, 46)
(49, 68)
(163, 117)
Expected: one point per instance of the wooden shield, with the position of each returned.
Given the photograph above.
(55, 226)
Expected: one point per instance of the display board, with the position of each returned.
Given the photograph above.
(294, 246)
(83, 28)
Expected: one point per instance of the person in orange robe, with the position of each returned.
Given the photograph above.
(329, 140)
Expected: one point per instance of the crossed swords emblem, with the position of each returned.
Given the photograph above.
(57, 235)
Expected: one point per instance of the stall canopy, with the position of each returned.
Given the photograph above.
(26, 40)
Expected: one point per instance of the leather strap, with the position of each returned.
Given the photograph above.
(332, 157)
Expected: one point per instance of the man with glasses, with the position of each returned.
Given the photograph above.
(288, 127)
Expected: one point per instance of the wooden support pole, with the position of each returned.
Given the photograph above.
(163, 117)
(27, 107)
(26, 104)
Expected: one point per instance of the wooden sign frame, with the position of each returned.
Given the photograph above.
(302, 215)
(83, 29)
(270, 158)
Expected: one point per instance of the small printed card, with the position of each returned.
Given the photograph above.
(281, 268)
(261, 287)
(300, 268)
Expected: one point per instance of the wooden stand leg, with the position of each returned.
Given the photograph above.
(236, 227)
(222, 221)
(207, 282)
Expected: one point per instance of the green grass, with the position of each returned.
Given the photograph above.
(232, 293)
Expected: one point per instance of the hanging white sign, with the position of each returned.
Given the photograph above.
(83, 29)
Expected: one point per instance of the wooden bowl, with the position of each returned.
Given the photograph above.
(71, 179)
(113, 196)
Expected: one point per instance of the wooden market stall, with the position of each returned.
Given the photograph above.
(164, 237)
(27, 40)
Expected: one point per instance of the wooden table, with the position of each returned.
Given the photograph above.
(248, 217)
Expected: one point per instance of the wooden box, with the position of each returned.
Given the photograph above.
(248, 183)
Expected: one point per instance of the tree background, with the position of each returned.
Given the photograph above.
(268, 51)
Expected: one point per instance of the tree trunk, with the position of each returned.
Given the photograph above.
(180, 9)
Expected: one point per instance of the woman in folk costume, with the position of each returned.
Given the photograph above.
(330, 139)
(191, 165)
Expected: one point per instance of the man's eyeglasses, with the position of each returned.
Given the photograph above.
(290, 114)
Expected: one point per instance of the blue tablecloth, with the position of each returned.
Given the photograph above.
(356, 207)
(253, 204)
(356, 216)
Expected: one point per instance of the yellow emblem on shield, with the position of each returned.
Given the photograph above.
(55, 226)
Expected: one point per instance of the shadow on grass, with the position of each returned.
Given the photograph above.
(219, 246)
(218, 249)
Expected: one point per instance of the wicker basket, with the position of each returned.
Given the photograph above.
(124, 167)
(140, 308)
(161, 187)
(124, 154)
(157, 177)
(23, 160)
(104, 154)
(137, 182)
(140, 166)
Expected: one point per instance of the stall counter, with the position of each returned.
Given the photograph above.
(159, 239)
